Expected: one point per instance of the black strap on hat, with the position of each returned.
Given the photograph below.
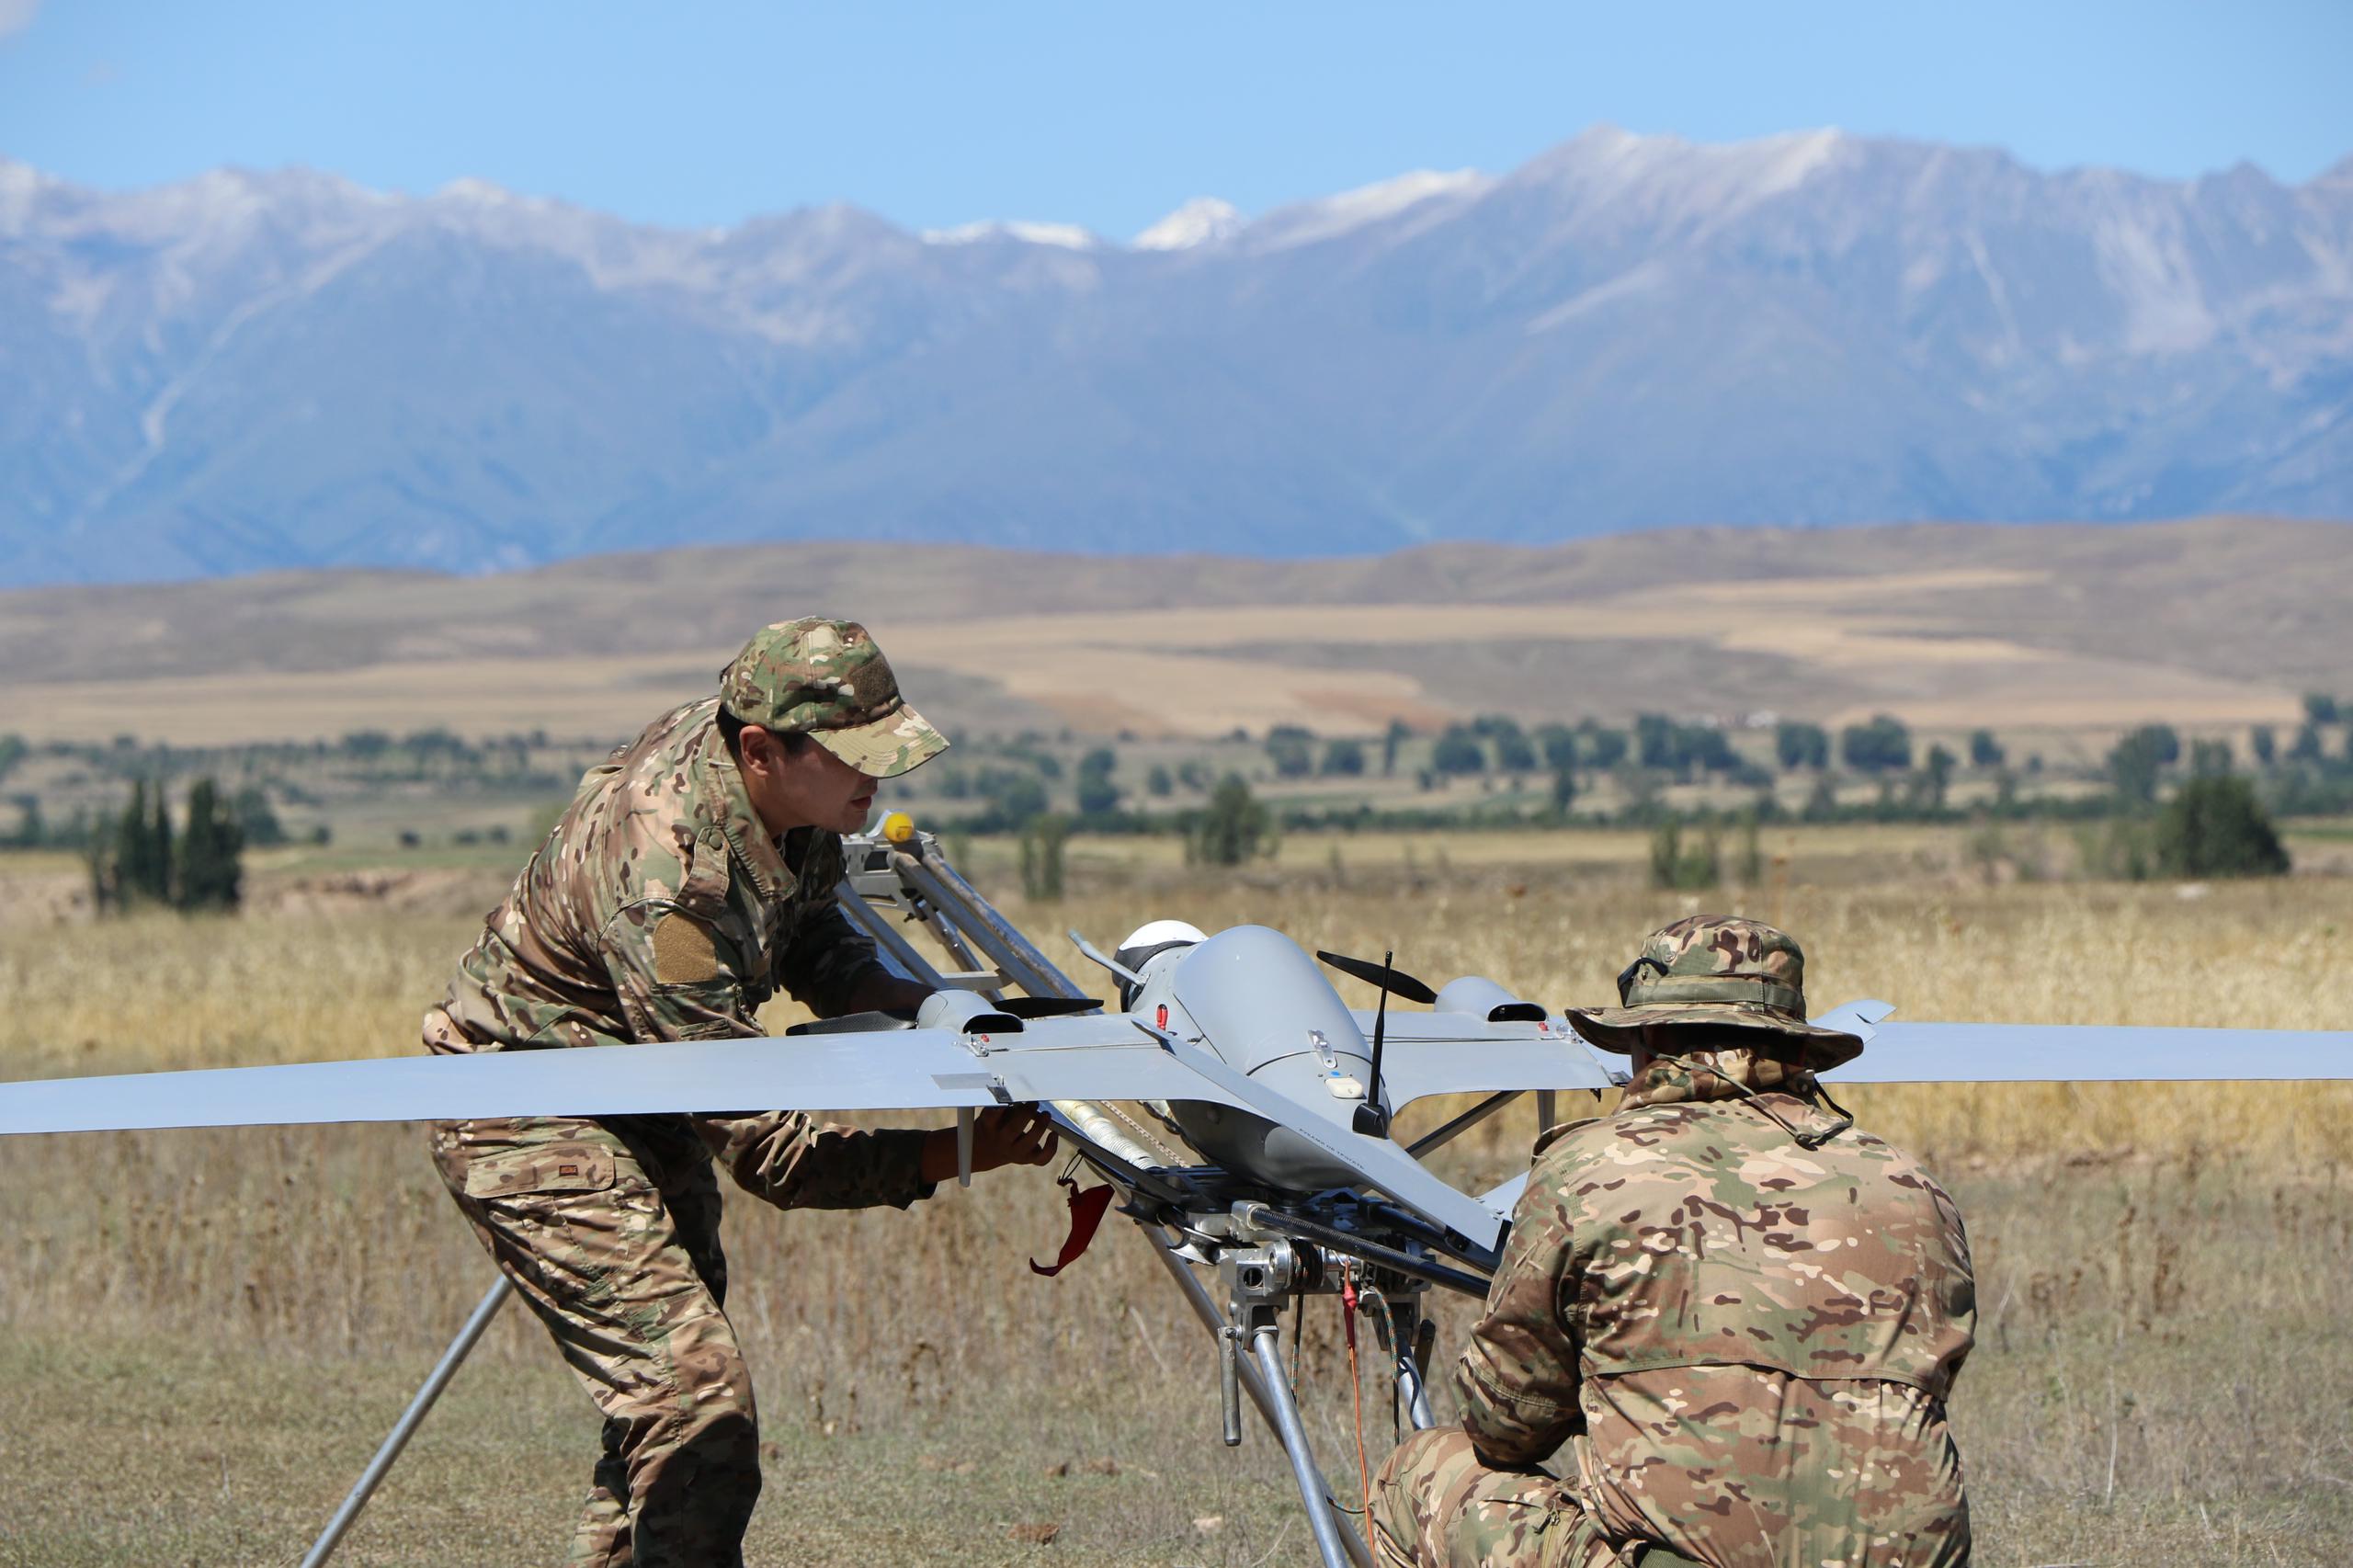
(1632, 971)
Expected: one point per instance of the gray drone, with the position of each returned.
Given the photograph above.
(1260, 1148)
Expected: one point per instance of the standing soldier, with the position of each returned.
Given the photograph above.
(1733, 1314)
(691, 878)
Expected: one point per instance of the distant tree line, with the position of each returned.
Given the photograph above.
(141, 861)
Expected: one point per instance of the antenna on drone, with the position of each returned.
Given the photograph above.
(1372, 1117)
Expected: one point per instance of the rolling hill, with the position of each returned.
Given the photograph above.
(2220, 622)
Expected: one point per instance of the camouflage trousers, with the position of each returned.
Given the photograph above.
(1437, 1504)
(620, 1259)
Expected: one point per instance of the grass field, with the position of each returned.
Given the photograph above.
(205, 1332)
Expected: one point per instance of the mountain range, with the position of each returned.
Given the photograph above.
(250, 372)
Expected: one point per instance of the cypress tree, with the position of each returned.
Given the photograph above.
(139, 869)
(159, 847)
(208, 873)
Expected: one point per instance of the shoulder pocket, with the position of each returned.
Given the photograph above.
(552, 1167)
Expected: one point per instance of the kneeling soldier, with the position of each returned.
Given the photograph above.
(1733, 1315)
(692, 877)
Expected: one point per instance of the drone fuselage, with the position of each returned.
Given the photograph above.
(1256, 999)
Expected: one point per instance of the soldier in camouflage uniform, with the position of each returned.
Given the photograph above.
(692, 877)
(1733, 1316)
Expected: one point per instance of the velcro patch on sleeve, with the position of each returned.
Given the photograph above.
(685, 951)
(553, 1167)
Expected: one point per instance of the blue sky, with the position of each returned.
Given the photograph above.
(1110, 114)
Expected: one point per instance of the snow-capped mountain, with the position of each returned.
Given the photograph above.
(247, 372)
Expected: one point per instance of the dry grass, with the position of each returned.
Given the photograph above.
(207, 1330)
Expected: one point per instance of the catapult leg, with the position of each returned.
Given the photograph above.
(1416, 1393)
(1266, 1347)
(1254, 1386)
(411, 1418)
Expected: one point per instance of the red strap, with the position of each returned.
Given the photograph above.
(1086, 1211)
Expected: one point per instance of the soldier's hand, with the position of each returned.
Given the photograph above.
(1008, 1135)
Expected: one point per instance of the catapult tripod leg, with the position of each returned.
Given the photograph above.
(1416, 1394)
(411, 1418)
(1254, 1386)
(1266, 1347)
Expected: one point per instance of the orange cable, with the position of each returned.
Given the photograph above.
(1349, 1323)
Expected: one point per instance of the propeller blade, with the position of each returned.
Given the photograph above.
(1399, 984)
(1048, 1006)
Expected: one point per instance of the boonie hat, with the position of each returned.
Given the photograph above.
(827, 680)
(1721, 972)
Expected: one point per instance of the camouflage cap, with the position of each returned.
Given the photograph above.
(827, 680)
(1720, 972)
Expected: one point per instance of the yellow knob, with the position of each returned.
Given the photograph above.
(898, 827)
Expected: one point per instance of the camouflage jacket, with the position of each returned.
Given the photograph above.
(1749, 1341)
(660, 909)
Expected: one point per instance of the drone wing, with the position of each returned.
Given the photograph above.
(1456, 1053)
(2076, 1053)
(1094, 1058)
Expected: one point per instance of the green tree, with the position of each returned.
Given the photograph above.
(1234, 827)
(1707, 746)
(208, 876)
(31, 831)
(1799, 744)
(1396, 735)
(1821, 801)
(2135, 763)
(1342, 759)
(257, 819)
(141, 868)
(1558, 745)
(130, 861)
(2210, 759)
(1458, 751)
(1936, 777)
(1984, 751)
(1097, 794)
(1680, 863)
(1603, 749)
(1157, 783)
(1565, 792)
(1512, 752)
(1042, 840)
(1293, 750)
(1014, 797)
(13, 751)
(2307, 747)
(1655, 742)
(159, 844)
(2264, 744)
(2320, 707)
(1750, 869)
(1883, 745)
(2214, 826)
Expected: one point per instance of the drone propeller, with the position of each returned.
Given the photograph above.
(1395, 982)
(1048, 1006)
